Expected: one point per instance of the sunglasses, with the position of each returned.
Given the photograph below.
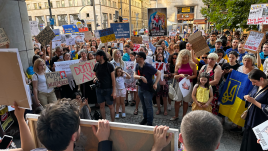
(174, 58)
(204, 57)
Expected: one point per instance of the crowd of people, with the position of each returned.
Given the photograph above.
(206, 73)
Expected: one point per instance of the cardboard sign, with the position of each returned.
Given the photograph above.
(79, 37)
(107, 35)
(57, 33)
(136, 47)
(68, 29)
(121, 30)
(199, 44)
(136, 40)
(88, 35)
(13, 85)
(157, 21)
(34, 28)
(130, 83)
(3, 38)
(45, 36)
(254, 40)
(83, 72)
(121, 135)
(258, 14)
(172, 33)
(56, 78)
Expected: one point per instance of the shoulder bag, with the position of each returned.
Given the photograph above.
(172, 92)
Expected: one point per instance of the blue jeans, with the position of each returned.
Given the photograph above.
(147, 105)
(104, 95)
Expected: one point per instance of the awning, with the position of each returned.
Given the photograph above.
(199, 21)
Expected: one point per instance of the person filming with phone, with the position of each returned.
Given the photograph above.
(144, 73)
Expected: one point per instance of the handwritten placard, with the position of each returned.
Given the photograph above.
(56, 78)
(88, 35)
(199, 44)
(83, 72)
(45, 36)
(145, 39)
(136, 40)
(258, 14)
(3, 38)
(254, 40)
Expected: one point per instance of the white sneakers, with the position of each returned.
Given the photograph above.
(123, 115)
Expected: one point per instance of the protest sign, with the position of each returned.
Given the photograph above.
(3, 38)
(56, 78)
(157, 21)
(45, 36)
(199, 44)
(121, 30)
(13, 85)
(130, 83)
(136, 40)
(261, 133)
(70, 41)
(6, 118)
(68, 29)
(55, 43)
(145, 39)
(121, 134)
(96, 33)
(57, 34)
(79, 37)
(65, 66)
(258, 14)
(254, 40)
(185, 86)
(34, 28)
(136, 47)
(172, 33)
(160, 66)
(81, 27)
(106, 35)
(88, 35)
(232, 96)
(83, 71)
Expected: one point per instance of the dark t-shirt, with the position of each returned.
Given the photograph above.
(147, 71)
(103, 73)
(54, 59)
(228, 66)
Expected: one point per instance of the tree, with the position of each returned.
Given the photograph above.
(229, 14)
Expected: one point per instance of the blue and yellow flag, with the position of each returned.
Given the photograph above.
(107, 35)
(232, 96)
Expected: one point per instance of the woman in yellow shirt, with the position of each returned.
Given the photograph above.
(202, 94)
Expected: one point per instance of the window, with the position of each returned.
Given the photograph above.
(102, 2)
(105, 20)
(89, 2)
(30, 18)
(70, 3)
(62, 3)
(62, 20)
(110, 16)
(75, 3)
(35, 6)
(83, 2)
(46, 5)
(73, 17)
(87, 14)
(182, 10)
(48, 21)
(57, 4)
(51, 4)
(39, 6)
(109, 3)
(114, 17)
(28, 6)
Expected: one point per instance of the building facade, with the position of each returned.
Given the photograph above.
(65, 12)
(183, 14)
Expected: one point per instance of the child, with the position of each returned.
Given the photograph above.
(202, 94)
(120, 90)
(133, 94)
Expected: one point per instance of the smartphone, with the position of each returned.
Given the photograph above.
(186, 75)
(83, 99)
(6, 141)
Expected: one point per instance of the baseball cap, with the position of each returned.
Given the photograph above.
(219, 40)
(141, 54)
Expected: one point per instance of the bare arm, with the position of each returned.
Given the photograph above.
(158, 74)
(210, 95)
(50, 53)
(35, 91)
(128, 76)
(258, 57)
(113, 82)
(217, 76)
(194, 94)
(136, 76)
(193, 66)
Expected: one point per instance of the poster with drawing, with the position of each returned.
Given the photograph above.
(3, 38)
(34, 28)
(261, 132)
(70, 41)
(160, 66)
(54, 79)
(79, 37)
(157, 21)
(130, 83)
(136, 47)
(185, 86)
(56, 43)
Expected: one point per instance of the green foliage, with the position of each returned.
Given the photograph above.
(229, 14)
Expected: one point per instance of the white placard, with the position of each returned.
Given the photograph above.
(70, 41)
(34, 28)
(261, 132)
(79, 37)
(185, 86)
(55, 43)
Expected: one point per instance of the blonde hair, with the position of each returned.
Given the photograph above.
(37, 63)
(120, 60)
(213, 55)
(250, 57)
(183, 53)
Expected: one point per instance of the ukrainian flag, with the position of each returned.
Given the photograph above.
(107, 35)
(232, 96)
